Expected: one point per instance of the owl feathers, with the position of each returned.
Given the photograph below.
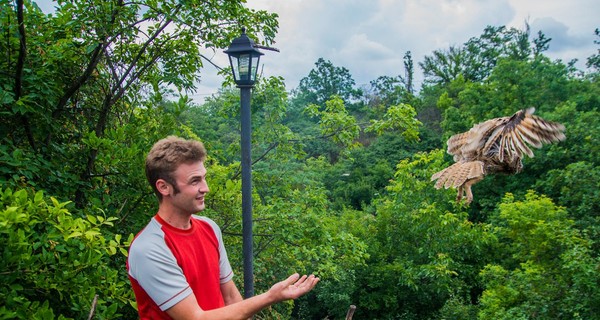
(495, 146)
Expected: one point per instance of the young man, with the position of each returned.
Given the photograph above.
(177, 264)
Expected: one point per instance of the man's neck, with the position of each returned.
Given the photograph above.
(175, 218)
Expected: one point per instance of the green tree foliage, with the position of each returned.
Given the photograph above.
(576, 187)
(388, 91)
(477, 58)
(517, 81)
(594, 60)
(325, 81)
(53, 263)
(340, 175)
(336, 122)
(547, 269)
(82, 94)
(79, 72)
(421, 253)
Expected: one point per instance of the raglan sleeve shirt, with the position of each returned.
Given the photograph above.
(165, 264)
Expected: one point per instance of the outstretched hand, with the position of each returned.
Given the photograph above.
(293, 287)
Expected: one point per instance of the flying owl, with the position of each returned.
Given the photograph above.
(494, 146)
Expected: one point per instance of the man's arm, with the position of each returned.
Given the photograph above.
(291, 288)
(230, 293)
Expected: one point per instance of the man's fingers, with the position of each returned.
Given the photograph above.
(307, 282)
(291, 279)
(301, 282)
(312, 281)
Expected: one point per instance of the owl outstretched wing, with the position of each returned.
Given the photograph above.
(467, 146)
(522, 130)
(496, 145)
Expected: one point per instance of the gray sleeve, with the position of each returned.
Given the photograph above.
(155, 268)
(226, 272)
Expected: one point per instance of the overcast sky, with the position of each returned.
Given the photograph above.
(370, 37)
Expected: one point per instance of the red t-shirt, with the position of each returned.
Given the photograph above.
(167, 264)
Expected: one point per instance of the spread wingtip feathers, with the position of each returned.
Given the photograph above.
(495, 146)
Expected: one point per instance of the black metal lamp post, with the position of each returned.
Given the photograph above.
(244, 58)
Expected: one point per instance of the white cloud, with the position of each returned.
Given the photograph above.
(570, 25)
(370, 37)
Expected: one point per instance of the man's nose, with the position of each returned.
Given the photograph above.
(204, 187)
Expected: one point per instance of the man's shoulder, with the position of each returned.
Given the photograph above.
(207, 220)
(148, 250)
(148, 237)
(203, 218)
(216, 230)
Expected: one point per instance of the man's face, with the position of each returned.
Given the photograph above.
(191, 182)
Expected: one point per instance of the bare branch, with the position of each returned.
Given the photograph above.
(143, 49)
(94, 60)
(271, 147)
(210, 61)
(350, 313)
(93, 308)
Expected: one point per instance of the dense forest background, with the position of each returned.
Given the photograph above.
(341, 172)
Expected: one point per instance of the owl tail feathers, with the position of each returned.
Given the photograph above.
(457, 174)
(461, 175)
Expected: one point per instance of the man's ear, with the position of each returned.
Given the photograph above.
(163, 187)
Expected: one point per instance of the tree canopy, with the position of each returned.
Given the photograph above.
(341, 175)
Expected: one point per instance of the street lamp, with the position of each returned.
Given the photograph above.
(244, 57)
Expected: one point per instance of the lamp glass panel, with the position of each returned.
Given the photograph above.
(254, 66)
(234, 65)
(244, 67)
